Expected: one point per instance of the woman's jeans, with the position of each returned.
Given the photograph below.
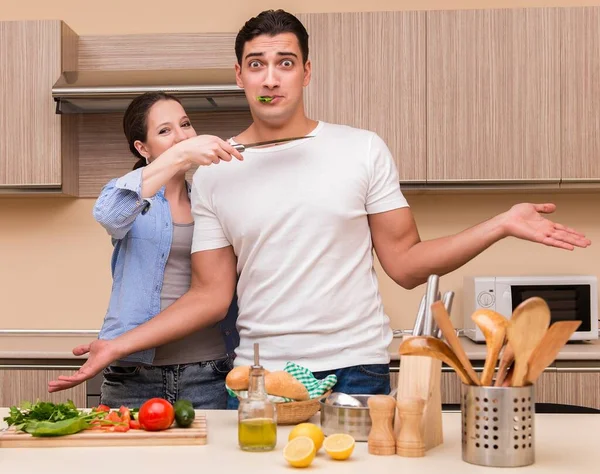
(202, 383)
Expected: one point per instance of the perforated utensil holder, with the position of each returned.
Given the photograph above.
(498, 425)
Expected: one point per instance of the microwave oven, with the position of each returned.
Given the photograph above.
(568, 297)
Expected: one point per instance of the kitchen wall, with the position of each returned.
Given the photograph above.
(55, 260)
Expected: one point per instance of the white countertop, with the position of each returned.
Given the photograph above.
(476, 351)
(564, 444)
(48, 346)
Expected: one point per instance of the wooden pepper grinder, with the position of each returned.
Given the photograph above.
(381, 440)
(410, 441)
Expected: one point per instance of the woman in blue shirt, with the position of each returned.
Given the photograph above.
(147, 213)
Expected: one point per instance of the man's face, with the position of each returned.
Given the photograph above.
(272, 67)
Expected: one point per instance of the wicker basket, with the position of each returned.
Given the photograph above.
(291, 413)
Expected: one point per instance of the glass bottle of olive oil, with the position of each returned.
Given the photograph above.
(257, 415)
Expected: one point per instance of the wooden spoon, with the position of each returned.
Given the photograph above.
(443, 322)
(547, 349)
(526, 328)
(493, 326)
(432, 347)
(508, 356)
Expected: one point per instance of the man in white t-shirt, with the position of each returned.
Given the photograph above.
(297, 224)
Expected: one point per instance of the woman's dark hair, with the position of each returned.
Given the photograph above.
(135, 120)
(271, 22)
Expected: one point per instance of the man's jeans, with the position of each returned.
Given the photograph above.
(371, 379)
(202, 383)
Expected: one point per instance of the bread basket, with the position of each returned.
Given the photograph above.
(291, 413)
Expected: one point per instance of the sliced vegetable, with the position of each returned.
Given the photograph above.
(57, 428)
(264, 99)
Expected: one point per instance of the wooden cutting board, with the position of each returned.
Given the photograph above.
(194, 435)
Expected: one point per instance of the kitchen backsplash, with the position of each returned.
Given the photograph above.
(55, 259)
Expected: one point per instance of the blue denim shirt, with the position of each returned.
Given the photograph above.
(141, 231)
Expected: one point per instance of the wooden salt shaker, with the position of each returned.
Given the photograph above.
(381, 440)
(410, 441)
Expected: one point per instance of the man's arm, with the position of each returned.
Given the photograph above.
(206, 302)
(409, 261)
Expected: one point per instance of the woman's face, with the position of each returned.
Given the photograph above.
(167, 125)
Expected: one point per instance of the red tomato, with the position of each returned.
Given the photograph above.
(134, 425)
(102, 408)
(156, 414)
(125, 414)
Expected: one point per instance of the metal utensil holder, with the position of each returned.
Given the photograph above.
(498, 428)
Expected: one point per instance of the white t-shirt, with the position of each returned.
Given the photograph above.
(296, 216)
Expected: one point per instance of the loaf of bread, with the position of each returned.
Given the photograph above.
(238, 378)
(283, 384)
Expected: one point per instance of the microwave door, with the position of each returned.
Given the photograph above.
(566, 302)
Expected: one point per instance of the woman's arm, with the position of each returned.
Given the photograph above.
(213, 284)
(122, 200)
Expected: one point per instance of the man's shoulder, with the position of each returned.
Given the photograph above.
(348, 131)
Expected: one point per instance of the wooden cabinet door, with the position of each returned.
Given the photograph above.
(493, 108)
(18, 385)
(580, 94)
(579, 388)
(31, 60)
(368, 71)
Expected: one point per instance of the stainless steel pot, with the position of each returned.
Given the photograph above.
(355, 421)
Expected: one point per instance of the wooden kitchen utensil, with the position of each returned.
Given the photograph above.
(432, 347)
(410, 441)
(547, 349)
(507, 358)
(194, 435)
(493, 326)
(443, 321)
(526, 328)
(381, 439)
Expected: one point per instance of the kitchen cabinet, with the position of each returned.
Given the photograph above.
(104, 153)
(368, 71)
(562, 383)
(493, 96)
(580, 94)
(17, 385)
(33, 55)
(580, 388)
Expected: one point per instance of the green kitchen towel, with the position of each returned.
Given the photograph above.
(315, 387)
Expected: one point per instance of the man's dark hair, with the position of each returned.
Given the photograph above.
(271, 22)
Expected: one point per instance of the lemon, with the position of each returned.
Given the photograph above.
(300, 451)
(308, 429)
(339, 446)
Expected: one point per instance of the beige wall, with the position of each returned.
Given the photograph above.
(55, 260)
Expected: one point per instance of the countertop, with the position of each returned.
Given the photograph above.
(564, 444)
(59, 346)
(476, 351)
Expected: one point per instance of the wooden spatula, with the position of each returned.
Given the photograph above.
(432, 347)
(493, 326)
(443, 321)
(547, 349)
(507, 358)
(526, 328)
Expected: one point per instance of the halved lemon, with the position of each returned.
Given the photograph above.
(339, 446)
(300, 451)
